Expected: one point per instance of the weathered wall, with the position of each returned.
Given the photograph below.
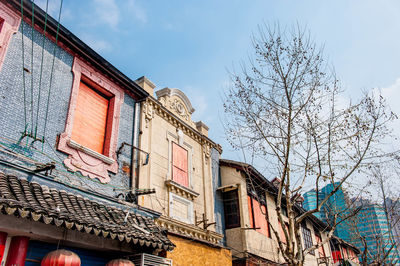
(246, 240)
(157, 134)
(12, 110)
(218, 203)
(189, 252)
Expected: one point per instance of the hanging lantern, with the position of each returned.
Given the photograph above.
(120, 262)
(61, 257)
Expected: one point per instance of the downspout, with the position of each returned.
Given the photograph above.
(134, 182)
(204, 182)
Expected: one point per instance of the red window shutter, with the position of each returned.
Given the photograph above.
(249, 203)
(180, 165)
(282, 233)
(90, 119)
(260, 218)
(321, 249)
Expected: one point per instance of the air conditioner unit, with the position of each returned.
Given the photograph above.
(144, 259)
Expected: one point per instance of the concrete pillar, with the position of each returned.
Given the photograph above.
(17, 251)
(3, 239)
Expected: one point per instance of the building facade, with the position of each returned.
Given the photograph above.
(336, 204)
(180, 162)
(393, 207)
(249, 210)
(374, 235)
(67, 128)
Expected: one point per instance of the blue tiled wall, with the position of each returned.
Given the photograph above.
(12, 120)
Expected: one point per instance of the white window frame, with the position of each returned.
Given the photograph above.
(173, 197)
(179, 139)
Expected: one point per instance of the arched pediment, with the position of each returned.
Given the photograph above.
(177, 102)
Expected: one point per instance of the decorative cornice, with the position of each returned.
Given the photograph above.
(181, 190)
(189, 230)
(164, 113)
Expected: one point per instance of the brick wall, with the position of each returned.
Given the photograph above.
(12, 120)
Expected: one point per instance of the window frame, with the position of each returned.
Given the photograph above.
(252, 218)
(91, 163)
(174, 197)
(173, 165)
(179, 139)
(318, 239)
(236, 202)
(307, 238)
(10, 25)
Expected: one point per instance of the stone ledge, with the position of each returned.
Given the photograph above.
(188, 230)
(181, 190)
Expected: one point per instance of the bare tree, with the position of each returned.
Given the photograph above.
(286, 108)
(374, 229)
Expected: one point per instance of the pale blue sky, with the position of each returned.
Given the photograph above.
(190, 44)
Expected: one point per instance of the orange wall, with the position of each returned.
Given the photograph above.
(189, 252)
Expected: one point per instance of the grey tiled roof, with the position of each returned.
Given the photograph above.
(39, 203)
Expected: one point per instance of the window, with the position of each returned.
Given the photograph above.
(321, 249)
(9, 24)
(180, 165)
(307, 238)
(282, 233)
(91, 130)
(258, 216)
(231, 209)
(180, 208)
(90, 119)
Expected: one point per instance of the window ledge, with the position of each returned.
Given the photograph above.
(79, 147)
(181, 190)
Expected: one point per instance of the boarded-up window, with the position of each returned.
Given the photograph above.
(282, 233)
(231, 209)
(90, 119)
(258, 216)
(181, 208)
(180, 165)
(321, 249)
(345, 256)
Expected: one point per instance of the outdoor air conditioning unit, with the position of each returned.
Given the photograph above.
(144, 259)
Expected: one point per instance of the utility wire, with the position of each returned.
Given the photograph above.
(41, 68)
(33, 25)
(51, 73)
(23, 60)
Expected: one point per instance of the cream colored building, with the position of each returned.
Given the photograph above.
(251, 246)
(178, 166)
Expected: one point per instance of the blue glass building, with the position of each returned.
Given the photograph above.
(335, 204)
(371, 222)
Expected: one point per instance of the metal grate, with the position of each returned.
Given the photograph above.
(144, 259)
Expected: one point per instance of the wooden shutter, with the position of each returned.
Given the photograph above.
(250, 205)
(180, 165)
(260, 218)
(90, 119)
(321, 249)
(282, 233)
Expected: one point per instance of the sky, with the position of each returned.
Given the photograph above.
(192, 45)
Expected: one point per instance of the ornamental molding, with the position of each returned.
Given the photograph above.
(8, 26)
(181, 190)
(91, 163)
(189, 230)
(159, 109)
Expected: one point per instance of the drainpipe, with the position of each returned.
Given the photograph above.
(135, 153)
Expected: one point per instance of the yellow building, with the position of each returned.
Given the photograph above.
(175, 160)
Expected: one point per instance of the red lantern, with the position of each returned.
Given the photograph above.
(120, 262)
(61, 257)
